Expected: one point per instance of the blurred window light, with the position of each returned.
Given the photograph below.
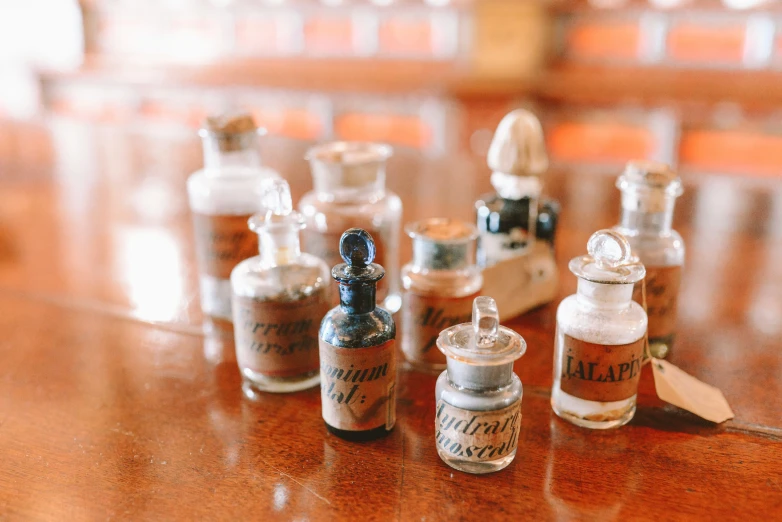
(744, 4)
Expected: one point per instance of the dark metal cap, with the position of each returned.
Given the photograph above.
(357, 248)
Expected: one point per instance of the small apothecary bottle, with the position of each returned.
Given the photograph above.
(349, 191)
(223, 195)
(508, 221)
(357, 348)
(649, 192)
(279, 300)
(599, 344)
(438, 287)
(478, 412)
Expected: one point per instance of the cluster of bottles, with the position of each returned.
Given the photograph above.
(289, 336)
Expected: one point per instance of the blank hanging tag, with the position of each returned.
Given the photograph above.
(681, 389)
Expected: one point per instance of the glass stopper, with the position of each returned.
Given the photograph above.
(485, 321)
(357, 248)
(276, 197)
(609, 249)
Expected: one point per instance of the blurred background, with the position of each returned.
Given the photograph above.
(692, 82)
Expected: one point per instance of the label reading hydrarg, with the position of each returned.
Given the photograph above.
(222, 242)
(598, 372)
(358, 386)
(278, 339)
(662, 297)
(424, 317)
(477, 436)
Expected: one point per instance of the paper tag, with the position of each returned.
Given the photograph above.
(681, 389)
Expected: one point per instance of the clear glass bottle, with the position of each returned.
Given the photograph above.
(349, 191)
(223, 196)
(439, 286)
(649, 192)
(357, 348)
(479, 390)
(510, 220)
(599, 344)
(279, 300)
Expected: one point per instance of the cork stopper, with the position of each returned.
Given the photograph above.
(517, 155)
(442, 243)
(648, 186)
(230, 130)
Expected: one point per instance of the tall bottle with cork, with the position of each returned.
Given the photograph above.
(649, 192)
(223, 196)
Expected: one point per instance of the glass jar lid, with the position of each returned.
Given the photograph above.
(651, 176)
(482, 342)
(609, 260)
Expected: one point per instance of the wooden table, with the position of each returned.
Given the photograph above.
(113, 405)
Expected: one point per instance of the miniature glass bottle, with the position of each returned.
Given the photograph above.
(478, 412)
(599, 344)
(357, 348)
(439, 286)
(279, 299)
(349, 191)
(223, 195)
(649, 192)
(508, 220)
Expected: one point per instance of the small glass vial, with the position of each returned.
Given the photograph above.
(509, 220)
(599, 344)
(279, 299)
(349, 191)
(357, 348)
(439, 286)
(649, 192)
(478, 412)
(223, 195)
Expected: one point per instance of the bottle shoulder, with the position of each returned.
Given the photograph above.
(601, 325)
(478, 400)
(656, 250)
(357, 331)
(307, 276)
(234, 191)
(313, 202)
(445, 283)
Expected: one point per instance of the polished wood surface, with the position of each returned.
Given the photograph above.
(113, 405)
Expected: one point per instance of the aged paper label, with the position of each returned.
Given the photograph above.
(681, 389)
(325, 245)
(358, 386)
(424, 317)
(477, 436)
(222, 242)
(662, 297)
(598, 372)
(278, 339)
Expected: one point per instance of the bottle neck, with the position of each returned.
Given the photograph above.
(604, 296)
(430, 255)
(479, 377)
(279, 248)
(237, 151)
(357, 298)
(334, 181)
(642, 219)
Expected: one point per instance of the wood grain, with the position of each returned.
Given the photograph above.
(113, 405)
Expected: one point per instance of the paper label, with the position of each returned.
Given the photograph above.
(662, 297)
(278, 339)
(222, 242)
(358, 386)
(424, 317)
(325, 245)
(499, 247)
(598, 372)
(477, 436)
(681, 389)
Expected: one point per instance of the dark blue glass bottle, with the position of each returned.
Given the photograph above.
(357, 352)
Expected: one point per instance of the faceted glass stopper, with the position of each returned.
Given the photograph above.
(357, 248)
(276, 197)
(609, 249)
(485, 321)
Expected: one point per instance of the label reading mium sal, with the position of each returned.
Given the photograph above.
(358, 386)
(477, 436)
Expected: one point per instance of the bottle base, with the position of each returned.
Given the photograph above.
(359, 436)
(660, 347)
(477, 468)
(254, 384)
(592, 414)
